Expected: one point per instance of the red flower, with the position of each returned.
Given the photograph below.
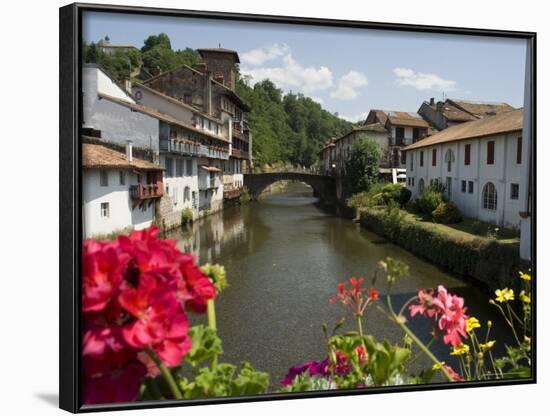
(135, 293)
(355, 297)
(102, 268)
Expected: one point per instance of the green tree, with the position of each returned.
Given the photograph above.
(362, 166)
(152, 41)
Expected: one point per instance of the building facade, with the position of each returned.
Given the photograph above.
(478, 162)
(118, 192)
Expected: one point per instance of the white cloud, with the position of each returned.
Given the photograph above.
(293, 75)
(355, 118)
(262, 55)
(422, 81)
(349, 84)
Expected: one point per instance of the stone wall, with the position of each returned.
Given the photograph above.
(169, 218)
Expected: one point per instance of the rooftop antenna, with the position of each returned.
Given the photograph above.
(219, 45)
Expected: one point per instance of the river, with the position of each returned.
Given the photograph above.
(284, 257)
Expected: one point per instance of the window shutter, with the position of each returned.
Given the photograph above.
(490, 152)
(467, 149)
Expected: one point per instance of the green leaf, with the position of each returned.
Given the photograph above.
(205, 344)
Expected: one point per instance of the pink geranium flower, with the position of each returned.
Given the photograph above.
(448, 311)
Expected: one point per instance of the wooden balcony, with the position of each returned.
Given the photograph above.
(231, 192)
(143, 192)
(239, 153)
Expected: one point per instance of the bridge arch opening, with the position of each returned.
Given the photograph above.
(323, 186)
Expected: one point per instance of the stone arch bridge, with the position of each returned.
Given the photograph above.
(324, 187)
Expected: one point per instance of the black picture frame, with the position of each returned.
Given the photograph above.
(70, 207)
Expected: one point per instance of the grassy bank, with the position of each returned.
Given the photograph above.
(491, 261)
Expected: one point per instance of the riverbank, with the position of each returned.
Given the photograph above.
(487, 261)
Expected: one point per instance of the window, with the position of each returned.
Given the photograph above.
(490, 152)
(467, 150)
(186, 194)
(403, 158)
(490, 196)
(103, 178)
(194, 199)
(416, 134)
(190, 167)
(518, 150)
(514, 191)
(179, 167)
(122, 177)
(470, 187)
(411, 164)
(463, 186)
(421, 185)
(412, 181)
(422, 158)
(449, 187)
(169, 166)
(449, 159)
(105, 210)
(434, 157)
(399, 135)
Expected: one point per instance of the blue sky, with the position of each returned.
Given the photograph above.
(348, 71)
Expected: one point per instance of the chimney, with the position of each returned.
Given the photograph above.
(129, 151)
(201, 67)
(440, 106)
(432, 101)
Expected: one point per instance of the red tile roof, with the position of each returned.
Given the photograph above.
(402, 118)
(98, 156)
(492, 125)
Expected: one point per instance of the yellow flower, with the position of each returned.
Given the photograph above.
(461, 349)
(524, 298)
(504, 295)
(472, 323)
(438, 366)
(487, 346)
(525, 276)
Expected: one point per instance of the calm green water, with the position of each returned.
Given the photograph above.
(284, 257)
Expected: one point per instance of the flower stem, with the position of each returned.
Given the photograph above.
(360, 326)
(166, 374)
(211, 312)
(415, 339)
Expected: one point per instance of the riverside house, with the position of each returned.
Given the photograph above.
(479, 163)
(209, 88)
(450, 112)
(118, 191)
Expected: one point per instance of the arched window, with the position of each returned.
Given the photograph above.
(490, 196)
(421, 185)
(449, 159)
(186, 196)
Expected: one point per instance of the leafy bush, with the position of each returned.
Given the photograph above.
(359, 200)
(447, 213)
(392, 219)
(186, 216)
(245, 196)
(395, 192)
(428, 202)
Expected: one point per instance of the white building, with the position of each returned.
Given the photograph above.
(118, 191)
(480, 164)
(110, 111)
(404, 129)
